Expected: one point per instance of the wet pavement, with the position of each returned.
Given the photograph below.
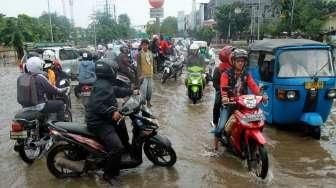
(296, 160)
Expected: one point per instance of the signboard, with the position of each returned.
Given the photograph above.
(156, 12)
(156, 3)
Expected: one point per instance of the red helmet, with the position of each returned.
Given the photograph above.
(225, 54)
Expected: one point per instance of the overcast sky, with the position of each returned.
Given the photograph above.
(137, 10)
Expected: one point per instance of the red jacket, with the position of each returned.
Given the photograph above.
(224, 84)
(164, 46)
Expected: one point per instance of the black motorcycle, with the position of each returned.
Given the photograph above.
(172, 68)
(29, 129)
(77, 151)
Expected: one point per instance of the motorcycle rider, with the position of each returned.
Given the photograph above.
(224, 65)
(103, 118)
(234, 82)
(33, 87)
(86, 72)
(49, 57)
(194, 59)
(125, 66)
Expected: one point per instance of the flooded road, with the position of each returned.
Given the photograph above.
(296, 160)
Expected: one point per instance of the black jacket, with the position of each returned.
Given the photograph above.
(216, 79)
(102, 103)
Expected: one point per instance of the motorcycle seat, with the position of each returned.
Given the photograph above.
(29, 115)
(76, 128)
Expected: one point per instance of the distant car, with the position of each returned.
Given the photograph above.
(67, 56)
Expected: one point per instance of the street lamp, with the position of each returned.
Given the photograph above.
(237, 10)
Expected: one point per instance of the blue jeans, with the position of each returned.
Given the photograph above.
(224, 115)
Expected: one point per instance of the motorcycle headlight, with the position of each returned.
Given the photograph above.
(331, 94)
(194, 81)
(291, 95)
(62, 82)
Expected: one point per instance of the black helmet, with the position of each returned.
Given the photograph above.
(124, 49)
(105, 71)
(86, 55)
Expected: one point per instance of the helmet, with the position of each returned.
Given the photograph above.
(49, 55)
(86, 55)
(194, 48)
(124, 49)
(109, 46)
(34, 65)
(100, 47)
(105, 71)
(239, 53)
(225, 54)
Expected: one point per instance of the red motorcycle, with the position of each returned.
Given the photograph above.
(243, 133)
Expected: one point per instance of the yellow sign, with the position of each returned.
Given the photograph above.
(316, 85)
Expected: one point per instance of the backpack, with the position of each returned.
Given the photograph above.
(26, 90)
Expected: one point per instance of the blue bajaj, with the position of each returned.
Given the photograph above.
(298, 75)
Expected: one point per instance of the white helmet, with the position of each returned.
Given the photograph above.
(34, 65)
(100, 47)
(194, 48)
(49, 55)
(110, 46)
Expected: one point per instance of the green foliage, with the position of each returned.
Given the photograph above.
(169, 26)
(239, 22)
(12, 35)
(205, 34)
(150, 28)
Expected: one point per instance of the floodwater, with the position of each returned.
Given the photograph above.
(295, 159)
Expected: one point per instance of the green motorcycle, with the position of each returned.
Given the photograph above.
(195, 83)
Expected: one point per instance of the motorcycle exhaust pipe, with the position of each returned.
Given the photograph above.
(76, 166)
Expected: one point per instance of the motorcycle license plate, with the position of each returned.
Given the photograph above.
(86, 93)
(18, 135)
(254, 117)
(316, 85)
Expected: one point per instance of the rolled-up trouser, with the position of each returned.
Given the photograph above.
(216, 108)
(224, 115)
(146, 88)
(55, 106)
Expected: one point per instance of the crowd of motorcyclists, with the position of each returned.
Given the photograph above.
(129, 70)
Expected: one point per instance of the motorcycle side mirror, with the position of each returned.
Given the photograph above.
(264, 87)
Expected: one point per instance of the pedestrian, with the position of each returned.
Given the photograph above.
(145, 71)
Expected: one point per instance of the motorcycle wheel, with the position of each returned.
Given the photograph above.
(316, 132)
(58, 171)
(77, 91)
(164, 77)
(156, 154)
(67, 115)
(259, 160)
(28, 153)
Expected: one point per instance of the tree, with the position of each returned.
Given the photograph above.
(150, 28)
(11, 35)
(206, 34)
(124, 20)
(226, 16)
(169, 26)
(61, 26)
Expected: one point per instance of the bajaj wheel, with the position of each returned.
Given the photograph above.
(159, 154)
(58, 169)
(258, 162)
(316, 132)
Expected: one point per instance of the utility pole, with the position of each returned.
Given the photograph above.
(51, 30)
(293, 4)
(258, 20)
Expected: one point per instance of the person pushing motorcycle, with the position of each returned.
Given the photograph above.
(234, 82)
